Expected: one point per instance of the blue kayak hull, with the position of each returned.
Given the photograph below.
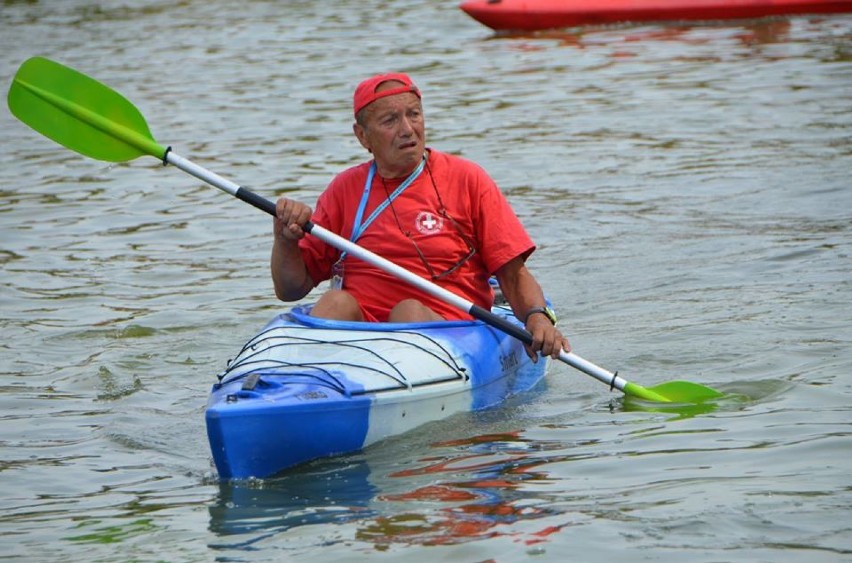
(305, 388)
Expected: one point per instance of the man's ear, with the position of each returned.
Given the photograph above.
(361, 134)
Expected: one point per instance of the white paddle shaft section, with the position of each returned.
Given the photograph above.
(202, 173)
(599, 373)
(340, 243)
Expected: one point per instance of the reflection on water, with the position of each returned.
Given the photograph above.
(479, 495)
(761, 32)
(471, 495)
(329, 492)
(462, 490)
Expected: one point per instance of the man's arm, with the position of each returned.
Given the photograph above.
(524, 294)
(289, 273)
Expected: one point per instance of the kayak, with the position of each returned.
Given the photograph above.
(532, 15)
(305, 387)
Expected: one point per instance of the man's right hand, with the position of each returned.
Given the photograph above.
(290, 217)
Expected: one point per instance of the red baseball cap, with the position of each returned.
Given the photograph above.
(365, 93)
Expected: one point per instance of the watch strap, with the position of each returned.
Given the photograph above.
(546, 311)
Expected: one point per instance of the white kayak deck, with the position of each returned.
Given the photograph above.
(355, 362)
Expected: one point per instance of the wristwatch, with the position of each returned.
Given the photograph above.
(546, 311)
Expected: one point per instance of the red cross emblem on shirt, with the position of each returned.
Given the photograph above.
(428, 223)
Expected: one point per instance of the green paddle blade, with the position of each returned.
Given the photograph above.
(673, 392)
(685, 392)
(79, 112)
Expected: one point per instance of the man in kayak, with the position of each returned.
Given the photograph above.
(437, 215)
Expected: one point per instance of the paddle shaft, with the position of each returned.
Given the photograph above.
(342, 244)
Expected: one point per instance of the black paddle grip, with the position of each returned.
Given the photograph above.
(505, 325)
(258, 201)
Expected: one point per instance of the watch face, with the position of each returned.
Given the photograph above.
(550, 314)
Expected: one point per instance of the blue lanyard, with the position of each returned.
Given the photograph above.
(358, 228)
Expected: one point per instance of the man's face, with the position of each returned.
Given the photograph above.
(394, 130)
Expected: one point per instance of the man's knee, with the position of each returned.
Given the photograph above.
(338, 304)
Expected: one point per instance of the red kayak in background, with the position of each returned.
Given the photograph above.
(531, 15)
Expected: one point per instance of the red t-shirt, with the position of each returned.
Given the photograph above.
(473, 204)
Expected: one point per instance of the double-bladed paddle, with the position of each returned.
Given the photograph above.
(88, 117)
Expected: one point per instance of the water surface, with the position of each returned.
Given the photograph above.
(689, 191)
